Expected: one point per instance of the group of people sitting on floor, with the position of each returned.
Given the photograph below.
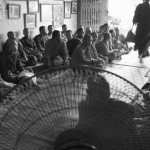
(59, 48)
(84, 47)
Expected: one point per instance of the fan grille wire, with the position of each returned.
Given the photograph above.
(36, 117)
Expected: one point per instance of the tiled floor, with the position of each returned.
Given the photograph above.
(130, 68)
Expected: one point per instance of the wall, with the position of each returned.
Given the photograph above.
(17, 25)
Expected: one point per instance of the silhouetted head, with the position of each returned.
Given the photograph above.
(50, 28)
(56, 34)
(81, 27)
(94, 36)
(43, 30)
(112, 32)
(88, 30)
(87, 40)
(26, 32)
(80, 33)
(107, 36)
(101, 28)
(64, 27)
(117, 31)
(98, 88)
(11, 35)
(69, 34)
(106, 27)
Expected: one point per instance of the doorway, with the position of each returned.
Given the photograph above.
(121, 13)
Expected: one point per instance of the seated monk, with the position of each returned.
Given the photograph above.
(96, 55)
(102, 30)
(41, 39)
(29, 47)
(56, 52)
(102, 48)
(83, 54)
(121, 41)
(23, 57)
(10, 63)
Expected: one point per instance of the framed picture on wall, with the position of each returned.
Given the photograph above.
(14, 11)
(32, 6)
(58, 15)
(46, 12)
(30, 20)
(67, 9)
(73, 7)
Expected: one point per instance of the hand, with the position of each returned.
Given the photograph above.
(7, 85)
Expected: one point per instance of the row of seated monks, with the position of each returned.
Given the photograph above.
(60, 48)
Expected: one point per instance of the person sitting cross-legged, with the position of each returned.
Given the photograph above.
(102, 48)
(12, 35)
(104, 58)
(10, 63)
(56, 53)
(30, 48)
(83, 54)
(120, 41)
(41, 39)
(114, 45)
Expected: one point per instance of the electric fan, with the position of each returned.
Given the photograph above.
(75, 107)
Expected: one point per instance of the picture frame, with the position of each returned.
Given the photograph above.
(30, 20)
(3, 11)
(46, 12)
(14, 11)
(58, 15)
(32, 6)
(74, 7)
(67, 9)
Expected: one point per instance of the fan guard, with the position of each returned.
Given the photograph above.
(36, 117)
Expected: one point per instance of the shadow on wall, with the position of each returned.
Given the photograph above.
(2, 41)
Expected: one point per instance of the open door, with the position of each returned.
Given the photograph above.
(92, 13)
